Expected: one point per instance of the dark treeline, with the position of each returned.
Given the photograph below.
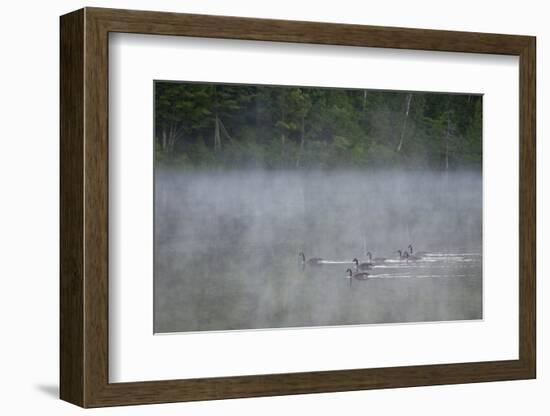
(240, 126)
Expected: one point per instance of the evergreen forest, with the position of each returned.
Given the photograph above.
(229, 126)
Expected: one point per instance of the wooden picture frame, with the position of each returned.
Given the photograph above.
(84, 207)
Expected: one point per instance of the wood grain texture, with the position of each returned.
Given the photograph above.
(162, 23)
(96, 222)
(84, 207)
(528, 207)
(71, 208)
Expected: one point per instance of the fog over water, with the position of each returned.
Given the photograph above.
(227, 248)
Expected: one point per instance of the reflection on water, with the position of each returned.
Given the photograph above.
(227, 249)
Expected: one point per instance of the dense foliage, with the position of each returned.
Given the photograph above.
(201, 125)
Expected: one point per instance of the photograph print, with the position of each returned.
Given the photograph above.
(292, 207)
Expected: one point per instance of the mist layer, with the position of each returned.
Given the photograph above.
(227, 247)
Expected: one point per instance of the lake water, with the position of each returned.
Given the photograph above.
(227, 248)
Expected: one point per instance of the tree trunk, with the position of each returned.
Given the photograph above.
(283, 133)
(164, 139)
(169, 135)
(446, 143)
(171, 138)
(302, 141)
(403, 129)
(217, 137)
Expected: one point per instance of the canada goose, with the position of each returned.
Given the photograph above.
(418, 254)
(362, 266)
(376, 259)
(410, 256)
(402, 256)
(357, 276)
(314, 261)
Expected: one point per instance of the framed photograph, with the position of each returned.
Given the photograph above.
(257, 207)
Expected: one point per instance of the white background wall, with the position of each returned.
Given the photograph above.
(29, 159)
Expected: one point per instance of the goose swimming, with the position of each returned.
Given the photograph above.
(357, 276)
(362, 266)
(410, 256)
(314, 261)
(418, 254)
(376, 259)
